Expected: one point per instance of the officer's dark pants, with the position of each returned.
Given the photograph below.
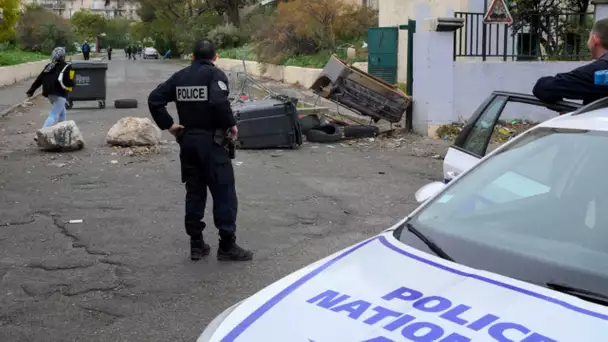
(86, 56)
(205, 165)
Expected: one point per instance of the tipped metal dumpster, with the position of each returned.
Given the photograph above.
(90, 83)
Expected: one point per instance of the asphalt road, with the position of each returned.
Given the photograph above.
(123, 274)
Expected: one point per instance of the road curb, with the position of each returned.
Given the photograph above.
(20, 104)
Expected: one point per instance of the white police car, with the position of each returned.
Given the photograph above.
(513, 249)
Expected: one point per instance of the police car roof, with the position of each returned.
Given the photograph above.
(593, 116)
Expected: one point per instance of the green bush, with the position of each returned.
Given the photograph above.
(255, 20)
(14, 57)
(53, 35)
(10, 15)
(201, 25)
(226, 36)
(311, 27)
(41, 31)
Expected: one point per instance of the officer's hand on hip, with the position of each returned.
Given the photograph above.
(234, 132)
(176, 130)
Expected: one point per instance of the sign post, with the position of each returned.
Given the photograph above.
(498, 13)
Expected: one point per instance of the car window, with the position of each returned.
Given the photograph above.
(524, 179)
(502, 121)
(540, 196)
(516, 118)
(482, 129)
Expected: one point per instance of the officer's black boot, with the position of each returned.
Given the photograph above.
(230, 251)
(198, 248)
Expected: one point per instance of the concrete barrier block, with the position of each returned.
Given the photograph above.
(229, 64)
(361, 66)
(303, 76)
(274, 72)
(18, 73)
(287, 74)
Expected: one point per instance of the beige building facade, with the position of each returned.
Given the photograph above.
(397, 12)
(66, 8)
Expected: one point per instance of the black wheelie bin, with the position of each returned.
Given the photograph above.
(268, 123)
(90, 83)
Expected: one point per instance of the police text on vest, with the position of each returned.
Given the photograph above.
(194, 93)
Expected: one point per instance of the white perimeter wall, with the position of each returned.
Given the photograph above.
(474, 81)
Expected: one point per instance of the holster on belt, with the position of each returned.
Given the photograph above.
(223, 138)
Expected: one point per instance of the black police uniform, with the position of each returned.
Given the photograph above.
(578, 84)
(200, 92)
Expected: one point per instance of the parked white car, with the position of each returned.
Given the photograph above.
(150, 52)
(513, 249)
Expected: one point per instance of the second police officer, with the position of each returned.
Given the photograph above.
(200, 92)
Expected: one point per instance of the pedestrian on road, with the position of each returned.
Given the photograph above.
(129, 51)
(579, 84)
(200, 92)
(109, 50)
(57, 79)
(86, 50)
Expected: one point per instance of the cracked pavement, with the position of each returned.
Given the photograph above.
(123, 274)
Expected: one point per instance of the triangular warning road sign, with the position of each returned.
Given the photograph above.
(498, 12)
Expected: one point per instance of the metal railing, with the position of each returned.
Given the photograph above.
(560, 36)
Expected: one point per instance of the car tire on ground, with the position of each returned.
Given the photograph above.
(360, 131)
(309, 122)
(125, 103)
(325, 134)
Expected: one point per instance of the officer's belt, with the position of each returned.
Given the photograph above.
(219, 135)
(198, 131)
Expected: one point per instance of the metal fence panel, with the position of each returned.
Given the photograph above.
(560, 36)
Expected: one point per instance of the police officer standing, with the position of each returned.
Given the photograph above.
(200, 93)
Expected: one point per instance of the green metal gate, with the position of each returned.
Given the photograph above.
(383, 50)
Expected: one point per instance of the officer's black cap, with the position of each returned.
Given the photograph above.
(204, 49)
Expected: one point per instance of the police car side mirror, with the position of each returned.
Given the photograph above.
(428, 191)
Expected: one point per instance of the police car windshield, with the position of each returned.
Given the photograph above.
(543, 197)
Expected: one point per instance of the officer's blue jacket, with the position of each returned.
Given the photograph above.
(578, 84)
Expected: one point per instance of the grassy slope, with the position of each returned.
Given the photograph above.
(14, 57)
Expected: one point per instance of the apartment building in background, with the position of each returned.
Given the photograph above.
(369, 3)
(66, 8)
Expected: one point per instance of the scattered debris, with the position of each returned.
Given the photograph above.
(503, 131)
(135, 151)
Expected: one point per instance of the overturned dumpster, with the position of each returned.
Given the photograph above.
(361, 92)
